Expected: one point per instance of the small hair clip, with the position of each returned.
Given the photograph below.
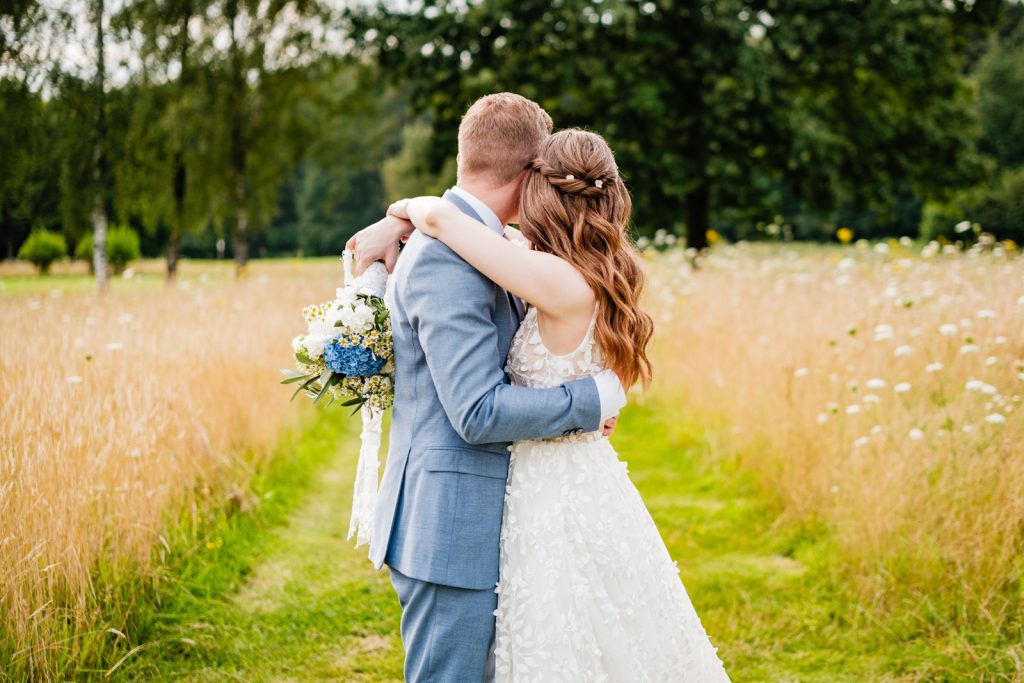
(570, 177)
(598, 184)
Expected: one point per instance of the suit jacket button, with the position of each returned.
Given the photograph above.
(567, 432)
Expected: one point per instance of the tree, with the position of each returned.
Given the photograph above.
(163, 181)
(707, 104)
(28, 163)
(258, 86)
(100, 159)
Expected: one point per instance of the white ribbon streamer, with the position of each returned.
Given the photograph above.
(364, 494)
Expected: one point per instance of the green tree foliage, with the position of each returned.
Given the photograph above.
(708, 104)
(163, 183)
(240, 119)
(123, 247)
(996, 202)
(42, 249)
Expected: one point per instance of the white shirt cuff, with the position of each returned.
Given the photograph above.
(611, 393)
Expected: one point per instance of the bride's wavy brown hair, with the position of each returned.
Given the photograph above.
(574, 205)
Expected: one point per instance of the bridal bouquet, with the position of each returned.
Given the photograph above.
(346, 352)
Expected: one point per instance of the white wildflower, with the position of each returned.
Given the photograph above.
(902, 387)
(969, 348)
(74, 379)
(904, 350)
(876, 430)
(822, 418)
(881, 248)
(862, 441)
(916, 434)
(801, 372)
(871, 398)
(996, 419)
(974, 385)
(1000, 340)
(991, 360)
(962, 226)
(948, 329)
(883, 332)
(852, 409)
(876, 383)
(114, 346)
(987, 313)
(933, 367)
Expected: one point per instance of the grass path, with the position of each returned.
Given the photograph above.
(307, 606)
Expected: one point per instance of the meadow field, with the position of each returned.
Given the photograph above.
(832, 448)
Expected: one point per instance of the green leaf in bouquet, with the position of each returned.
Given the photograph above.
(294, 377)
(326, 387)
(303, 358)
(304, 386)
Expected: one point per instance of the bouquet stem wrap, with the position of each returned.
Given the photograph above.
(364, 495)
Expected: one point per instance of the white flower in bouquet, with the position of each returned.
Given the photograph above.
(360, 317)
(319, 333)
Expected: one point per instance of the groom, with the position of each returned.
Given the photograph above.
(439, 510)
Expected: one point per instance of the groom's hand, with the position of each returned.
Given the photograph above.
(608, 428)
(379, 242)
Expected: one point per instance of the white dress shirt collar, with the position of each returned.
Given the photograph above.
(489, 218)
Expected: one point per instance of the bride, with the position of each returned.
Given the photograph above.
(588, 591)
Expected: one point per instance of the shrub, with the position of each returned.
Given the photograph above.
(83, 250)
(42, 248)
(122, 248)
(997, 206)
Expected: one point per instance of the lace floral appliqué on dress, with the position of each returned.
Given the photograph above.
(588, 591)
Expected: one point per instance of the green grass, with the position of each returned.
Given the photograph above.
(278, 593)
(283, 594)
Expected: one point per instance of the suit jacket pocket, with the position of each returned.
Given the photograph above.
(467, 461)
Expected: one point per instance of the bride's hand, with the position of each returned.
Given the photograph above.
(428, 214)
(400, 209)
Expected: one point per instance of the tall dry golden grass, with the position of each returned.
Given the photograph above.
(813, 364)
(119, 410)
(877, 391)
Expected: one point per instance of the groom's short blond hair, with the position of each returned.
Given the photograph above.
(500, 135)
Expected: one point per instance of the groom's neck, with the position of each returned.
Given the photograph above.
(500, 200)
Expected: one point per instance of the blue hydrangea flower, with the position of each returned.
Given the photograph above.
(352, 361)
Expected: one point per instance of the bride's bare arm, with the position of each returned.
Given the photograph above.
(551, 284)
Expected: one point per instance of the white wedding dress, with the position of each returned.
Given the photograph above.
(588, 591)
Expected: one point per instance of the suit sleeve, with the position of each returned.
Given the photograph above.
(449, 305)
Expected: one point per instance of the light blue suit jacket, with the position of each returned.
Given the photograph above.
(438, 514)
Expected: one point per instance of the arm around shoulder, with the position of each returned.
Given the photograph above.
(450, 307)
